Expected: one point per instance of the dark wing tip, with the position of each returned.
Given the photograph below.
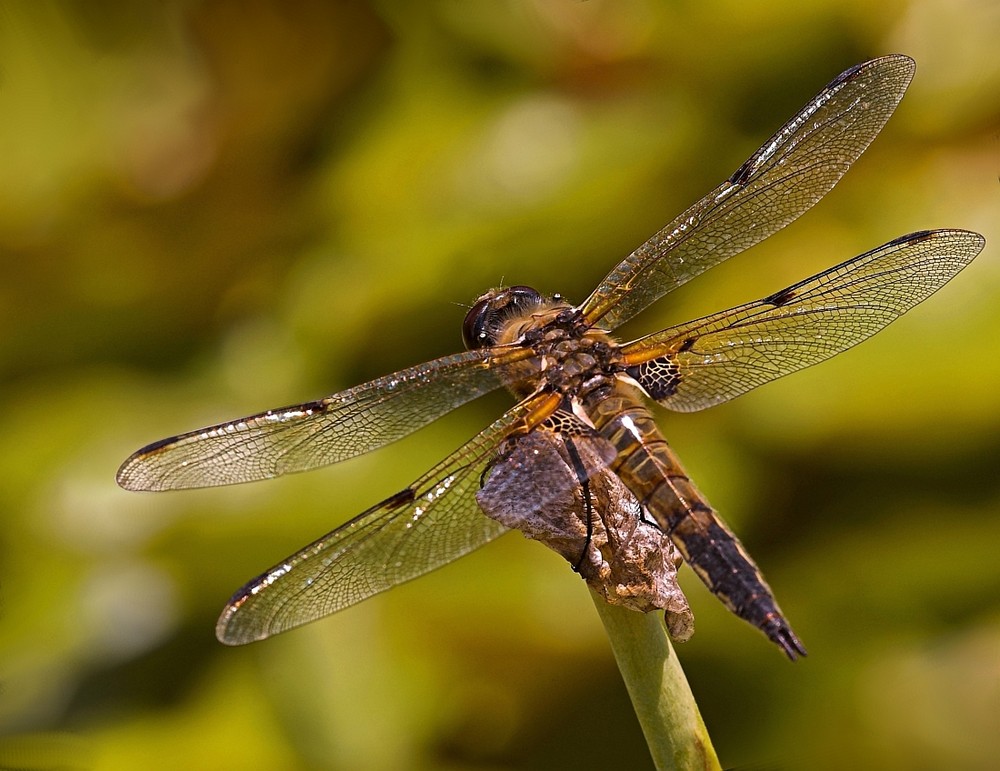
(226, 636)
(894, 69)
(235, 628)
(919, 235)
(126, 476)
(977, 239)
(229, 631)
(122, 476)
(902, 61)
(132, 476)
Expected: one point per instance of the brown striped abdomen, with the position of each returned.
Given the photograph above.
(653, 473)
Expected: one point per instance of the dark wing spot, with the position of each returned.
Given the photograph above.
(847, 75)
(739, 177)
(658, 377)
(152, 449)
(783, 297)
(920, 235)
(400, 499)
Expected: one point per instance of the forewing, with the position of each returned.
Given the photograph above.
(784, 178)
(430, 523)
(715, 358)
(306, 436)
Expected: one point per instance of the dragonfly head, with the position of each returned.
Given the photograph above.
(491, 313)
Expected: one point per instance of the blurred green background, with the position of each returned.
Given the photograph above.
(212, 208)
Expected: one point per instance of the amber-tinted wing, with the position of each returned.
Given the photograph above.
(715, 358)
(785, 177)
(318, 433)
(430, 523)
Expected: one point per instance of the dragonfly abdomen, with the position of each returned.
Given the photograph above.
(649, 468)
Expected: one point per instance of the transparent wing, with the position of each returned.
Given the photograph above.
(791, 171)
(305, 436)
(430, 523)
(713, 359)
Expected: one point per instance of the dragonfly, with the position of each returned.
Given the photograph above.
(579, 462)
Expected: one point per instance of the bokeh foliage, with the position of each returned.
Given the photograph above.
(211, 208)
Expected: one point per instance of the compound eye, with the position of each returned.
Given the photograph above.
(475, 331)
(485, 320)
(524, 298)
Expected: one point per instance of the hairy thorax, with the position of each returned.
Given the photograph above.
(571, 359)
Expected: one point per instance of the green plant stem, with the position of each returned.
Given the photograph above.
(660, 694)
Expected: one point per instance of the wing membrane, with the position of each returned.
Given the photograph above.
(713, 359)
(784, 178)
(305, 436)
(432, 522)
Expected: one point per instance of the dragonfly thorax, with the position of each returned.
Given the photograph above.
(570, 357)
